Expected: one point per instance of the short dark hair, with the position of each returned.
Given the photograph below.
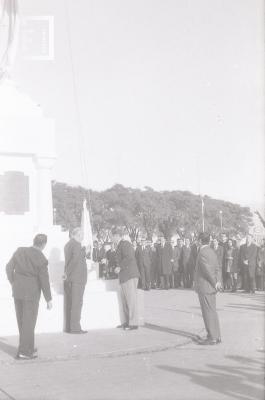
(204, 237)
(40, 240)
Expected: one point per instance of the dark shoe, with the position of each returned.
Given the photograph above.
(131, 327)
(21, 356)
(122, 326)
(208, 342)
(78, 332)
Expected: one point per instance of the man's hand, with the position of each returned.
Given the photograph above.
(245, 262)
(49, 305)
(117, 270)
(218, 286)
(64, 277)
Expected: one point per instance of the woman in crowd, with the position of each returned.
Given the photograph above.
(231, 267)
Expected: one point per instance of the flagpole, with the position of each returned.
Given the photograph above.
(201, 196)
(203, 223)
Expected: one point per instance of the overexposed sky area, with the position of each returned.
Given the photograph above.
(170, 93)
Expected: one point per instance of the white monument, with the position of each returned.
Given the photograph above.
(27, 156)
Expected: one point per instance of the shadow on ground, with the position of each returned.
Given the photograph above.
(242, 382)
(193, 337)
(7, 348)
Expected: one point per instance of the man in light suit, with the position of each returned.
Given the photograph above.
(75, 279)
(207, 283)
(128, 277)
(28, 274)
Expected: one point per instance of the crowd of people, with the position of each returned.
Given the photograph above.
(206, 263)
(170, 263)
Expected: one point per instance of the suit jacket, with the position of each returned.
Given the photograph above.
(193, 255)
(207, 271)
(125, 256)
(249, 253)
(75, 262)
(164, 257)
(176, 257)
(28, 274)
(187, 261)
(220, 254)
(143, 257)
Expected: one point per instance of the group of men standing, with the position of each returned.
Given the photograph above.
(207, 264)
(165, 264)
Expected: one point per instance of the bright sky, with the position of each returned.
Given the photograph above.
(165, 88)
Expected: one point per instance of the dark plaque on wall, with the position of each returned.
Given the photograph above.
(14, 193)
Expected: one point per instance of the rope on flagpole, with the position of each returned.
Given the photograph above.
(80, 133)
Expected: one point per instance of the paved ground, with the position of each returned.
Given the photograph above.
(162, 360)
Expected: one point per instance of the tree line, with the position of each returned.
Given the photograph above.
(146, 212)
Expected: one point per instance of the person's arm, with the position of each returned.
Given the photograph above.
(10, 268)
(44, 281)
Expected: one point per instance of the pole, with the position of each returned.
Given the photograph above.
(203, 222)
(221, 219)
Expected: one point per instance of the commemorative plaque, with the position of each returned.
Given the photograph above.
(14, 193)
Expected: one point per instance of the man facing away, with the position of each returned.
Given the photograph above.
(207, 283)
(28, 274)
(128, 276)
(75, 279)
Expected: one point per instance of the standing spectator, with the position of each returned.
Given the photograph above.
(231, 263)
(179, 277)
(175, 264)
(128, 276)
(193, 255)
(164, 255)
(95, 251)
(112, 262)
(223, 244)
(143, 258)
(28, 274)
(187, 264)
(248, 262)
(154, 266)
(75, 278)
(260, 272)
(219, 251)
(207, 283)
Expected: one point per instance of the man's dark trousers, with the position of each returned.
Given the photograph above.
(73, 302)
(249, 278)
(209, 314)
(26, 313)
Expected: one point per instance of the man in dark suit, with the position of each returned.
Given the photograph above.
(128, 277)
(143, 258)
(75, 278)
(248, 262)
(28, 274)
(175, 263)
(207, 283)
(187, 264)
(164, 257)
